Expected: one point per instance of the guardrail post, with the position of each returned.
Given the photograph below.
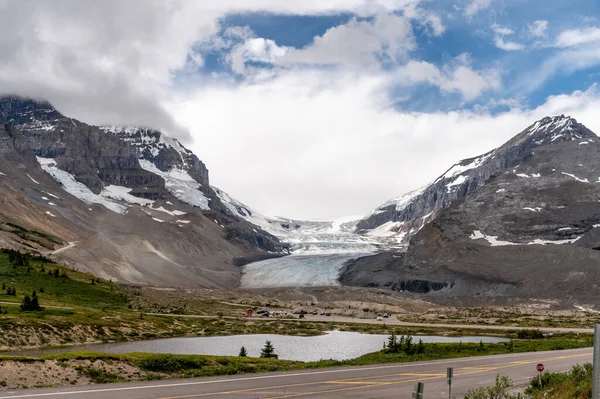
(418, 392)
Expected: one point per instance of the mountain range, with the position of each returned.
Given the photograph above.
(128, 204)
(134, 205)
(521, 221)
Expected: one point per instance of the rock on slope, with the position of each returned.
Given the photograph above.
(135, 204)
(520, 221)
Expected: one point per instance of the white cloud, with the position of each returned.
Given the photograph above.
(501, 31)
(538, 28)
(577, 37)
(110, 61)
(318, 144)
(358, 43)
(565, 62)
(476, 6)
(459, 78)
(507, 45)
(254, 49)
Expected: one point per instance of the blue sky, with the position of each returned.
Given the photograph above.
(475, 33)
(312, 109)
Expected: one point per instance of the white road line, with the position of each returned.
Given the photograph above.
(181, 384)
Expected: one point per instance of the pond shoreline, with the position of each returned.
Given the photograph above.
(336, 345)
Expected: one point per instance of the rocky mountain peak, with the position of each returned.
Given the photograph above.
(402, 217)
(556, 129)
(19, 111)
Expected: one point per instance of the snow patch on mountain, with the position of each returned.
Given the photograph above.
(179, 183)
(584, 180)
(69, 184)
(495, 242)
(401, 202)
(122, 193)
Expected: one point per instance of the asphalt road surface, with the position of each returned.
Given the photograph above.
(378, 381)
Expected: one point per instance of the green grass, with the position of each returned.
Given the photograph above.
(575, 384)
(76, 290)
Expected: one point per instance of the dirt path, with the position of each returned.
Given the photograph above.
(45, 306)
(395, 322)
(71, 245)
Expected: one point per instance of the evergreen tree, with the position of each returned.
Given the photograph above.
(243, 352)
(3, 286)
(392, 345)
(268, 351)
(420, 347)
(41, 290)
(26, 304)
(56, 273)
(408, 346)
(35, 303)
(30, 304)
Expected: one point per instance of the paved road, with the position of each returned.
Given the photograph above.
(380, 381)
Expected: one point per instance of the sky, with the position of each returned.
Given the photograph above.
(311, 109)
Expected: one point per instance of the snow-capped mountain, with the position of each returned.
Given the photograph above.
(306, 236)
(400, 218)
(136, 205)
(522, 221)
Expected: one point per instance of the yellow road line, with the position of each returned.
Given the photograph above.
(365, 384)
(372, 383)
(347, 389)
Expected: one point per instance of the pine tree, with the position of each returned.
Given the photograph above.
(41, 290)
(268, 351)
(3, 286)
(408, 346)
(26, 304)
(35, 303)
(243, 352)
(30, 304)
(392, 345)
(420, 347)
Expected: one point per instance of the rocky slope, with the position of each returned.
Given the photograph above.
(520, 221)
(135, 205)
(402, 217)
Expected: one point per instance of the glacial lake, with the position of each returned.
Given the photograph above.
(333, 345)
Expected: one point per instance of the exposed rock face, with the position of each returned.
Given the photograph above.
(167, 153)
(138, 204)
(97, 159)
(468, 175)
(522, 222)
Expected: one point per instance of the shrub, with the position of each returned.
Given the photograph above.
(171, 363)
(500, 390)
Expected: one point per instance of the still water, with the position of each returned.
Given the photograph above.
(333, 345)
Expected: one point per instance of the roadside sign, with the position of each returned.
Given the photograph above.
(540, 367)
